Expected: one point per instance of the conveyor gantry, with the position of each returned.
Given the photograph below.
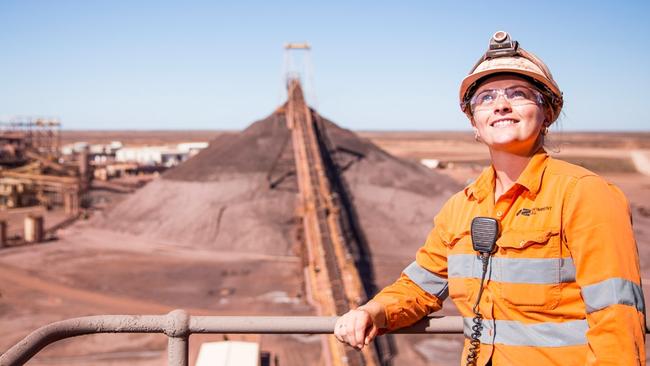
(333, 278)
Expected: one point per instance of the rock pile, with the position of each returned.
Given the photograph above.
(239, 195)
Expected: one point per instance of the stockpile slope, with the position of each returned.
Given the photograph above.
(222, 199)
(219, 199)
(395, 201)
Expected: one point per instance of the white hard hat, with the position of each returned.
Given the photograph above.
(505, 56)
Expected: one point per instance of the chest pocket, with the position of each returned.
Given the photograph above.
(529, 268)
(460, 266)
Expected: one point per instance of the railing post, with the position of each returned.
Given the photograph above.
(178, 333)
(177, 351)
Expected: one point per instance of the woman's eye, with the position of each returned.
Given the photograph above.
(519, 94)
(485, 98)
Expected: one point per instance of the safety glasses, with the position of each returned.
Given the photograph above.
(516, 95)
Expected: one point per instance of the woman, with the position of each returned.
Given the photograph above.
(562, 285)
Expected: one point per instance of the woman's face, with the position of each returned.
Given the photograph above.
(508, 115)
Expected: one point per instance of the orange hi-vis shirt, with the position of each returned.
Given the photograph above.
(562, 288)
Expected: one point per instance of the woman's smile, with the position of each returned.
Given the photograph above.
(503, 122)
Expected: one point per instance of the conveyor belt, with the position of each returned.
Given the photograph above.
(333, 278)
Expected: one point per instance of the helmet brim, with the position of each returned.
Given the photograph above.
(470, 80)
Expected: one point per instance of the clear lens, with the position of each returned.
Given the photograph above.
(515, 95)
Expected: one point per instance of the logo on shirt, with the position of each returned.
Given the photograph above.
(532, 211)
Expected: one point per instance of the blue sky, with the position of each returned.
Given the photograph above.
(377, 65)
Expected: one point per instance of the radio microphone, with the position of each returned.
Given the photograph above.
(484, 232)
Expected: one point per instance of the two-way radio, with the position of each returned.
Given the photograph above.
(484, 232)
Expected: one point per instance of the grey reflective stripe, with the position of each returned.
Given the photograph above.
(429, 282)
(514, 333)
(463, 265)
(567, 270)
(613, 291)
(540, 271)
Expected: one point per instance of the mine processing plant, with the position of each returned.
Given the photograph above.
(336, 265)
(31, 173)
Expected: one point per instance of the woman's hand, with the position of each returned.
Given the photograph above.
(358, 327)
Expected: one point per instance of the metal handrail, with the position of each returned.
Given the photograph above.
(178, 325)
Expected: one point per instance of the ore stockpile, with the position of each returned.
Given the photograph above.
(296, 184)
(240, 195)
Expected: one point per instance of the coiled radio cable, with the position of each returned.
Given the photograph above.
(477, 321)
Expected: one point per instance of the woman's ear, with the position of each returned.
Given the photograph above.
(477, 136)
(544, 130)
(548, 115)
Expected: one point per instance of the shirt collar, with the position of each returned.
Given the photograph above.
(482, 186)
(530, 178)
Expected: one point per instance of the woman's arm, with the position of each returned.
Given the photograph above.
(597, 229)
(419, 291)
